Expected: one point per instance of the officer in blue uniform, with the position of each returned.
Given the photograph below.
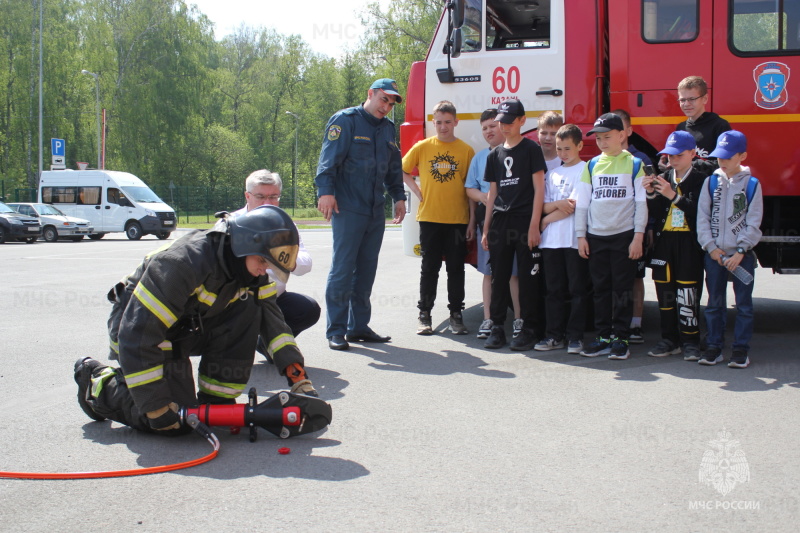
(359, 161)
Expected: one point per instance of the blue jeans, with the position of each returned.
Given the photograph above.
(716, 308)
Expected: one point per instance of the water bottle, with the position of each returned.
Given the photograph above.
(741, 274)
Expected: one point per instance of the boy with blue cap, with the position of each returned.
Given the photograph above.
(728, 228)
(677, 260)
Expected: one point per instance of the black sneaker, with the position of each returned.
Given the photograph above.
(739, 359)
(83, 377)
(619, 350)
(524, 341)
(636, 336)
(497, 339)
(599, 346)
(457, 323)
(712, 356)
(664, 348)
(691, 352)
(424, 324)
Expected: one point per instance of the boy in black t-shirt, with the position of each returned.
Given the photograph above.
(516, 171)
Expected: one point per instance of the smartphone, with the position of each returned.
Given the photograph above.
(649, 170)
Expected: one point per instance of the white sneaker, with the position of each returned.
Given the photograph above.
(518, 323)
(486, 329)
(548, 344)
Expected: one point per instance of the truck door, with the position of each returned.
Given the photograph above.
(511, 49)
(653, 45)
(756, 78)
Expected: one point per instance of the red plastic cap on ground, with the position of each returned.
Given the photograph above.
(284, 451)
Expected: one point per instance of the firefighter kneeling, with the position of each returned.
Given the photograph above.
(205, 294)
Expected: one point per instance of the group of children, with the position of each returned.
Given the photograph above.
(555, 232)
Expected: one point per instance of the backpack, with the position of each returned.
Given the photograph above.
(713, 183)
(637, 164)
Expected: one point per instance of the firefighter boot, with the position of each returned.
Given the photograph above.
(83, 377)
(298, 381)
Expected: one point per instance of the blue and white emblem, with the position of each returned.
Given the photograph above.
(771, 79)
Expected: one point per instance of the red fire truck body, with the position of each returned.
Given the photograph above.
(583, 58)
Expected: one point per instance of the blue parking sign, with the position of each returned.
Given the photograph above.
(58, 147)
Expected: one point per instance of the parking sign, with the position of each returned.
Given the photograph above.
(58, 151)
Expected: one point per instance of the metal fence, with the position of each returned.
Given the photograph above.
(205, 201)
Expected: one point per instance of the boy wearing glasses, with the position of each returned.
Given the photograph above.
(705, 126)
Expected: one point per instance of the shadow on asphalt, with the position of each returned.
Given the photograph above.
(238, 457)
(772, 365)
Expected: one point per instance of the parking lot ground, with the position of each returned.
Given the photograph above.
(428, 433)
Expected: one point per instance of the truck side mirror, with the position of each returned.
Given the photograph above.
(457, 9)
(455, 47)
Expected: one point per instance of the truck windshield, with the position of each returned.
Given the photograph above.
(5, 209)
(142, 195)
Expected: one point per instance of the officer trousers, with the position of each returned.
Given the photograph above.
(226, 346)
(437, 240)
(357, 243)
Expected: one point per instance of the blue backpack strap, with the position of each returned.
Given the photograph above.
(749, 192)
(637, 164)
(751, 189)
(592, 162)
(712, 184)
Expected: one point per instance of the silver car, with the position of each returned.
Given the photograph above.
(55, 224)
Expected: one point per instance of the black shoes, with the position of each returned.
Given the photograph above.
(497, 339)
(368, 336)
(337, 342)
(83, 377)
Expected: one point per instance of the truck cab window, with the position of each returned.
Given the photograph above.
(669, 21)
(766, 26)
(517, 24)
(471, 30)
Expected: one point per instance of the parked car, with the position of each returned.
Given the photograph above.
(17, 226)
(55, 224)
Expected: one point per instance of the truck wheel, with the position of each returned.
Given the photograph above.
(76, 238)
(163, 235)
(97, 236)
(2, 235)
(31, 240)
(50, 234)
(134, 231)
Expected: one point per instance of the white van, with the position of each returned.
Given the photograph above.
(112, 201)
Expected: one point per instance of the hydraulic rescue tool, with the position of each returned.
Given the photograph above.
(284, 414)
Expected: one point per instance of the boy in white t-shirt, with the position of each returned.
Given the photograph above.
(566, 272)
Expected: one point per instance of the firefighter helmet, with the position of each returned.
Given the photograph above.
(269, 232)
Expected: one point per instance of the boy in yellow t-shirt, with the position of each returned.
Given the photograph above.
(443, 214)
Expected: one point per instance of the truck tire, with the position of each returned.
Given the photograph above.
(31, 240)
(2, 234)
(76, 238)
(49, 234)
(163, 235)
(97, 236)
(134, 231)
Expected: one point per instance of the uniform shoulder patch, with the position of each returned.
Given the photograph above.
(333, 132)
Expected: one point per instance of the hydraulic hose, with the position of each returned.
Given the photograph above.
(193, 421)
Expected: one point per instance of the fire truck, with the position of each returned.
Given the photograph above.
(582, 58)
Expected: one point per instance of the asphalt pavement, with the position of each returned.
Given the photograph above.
(428, 433)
